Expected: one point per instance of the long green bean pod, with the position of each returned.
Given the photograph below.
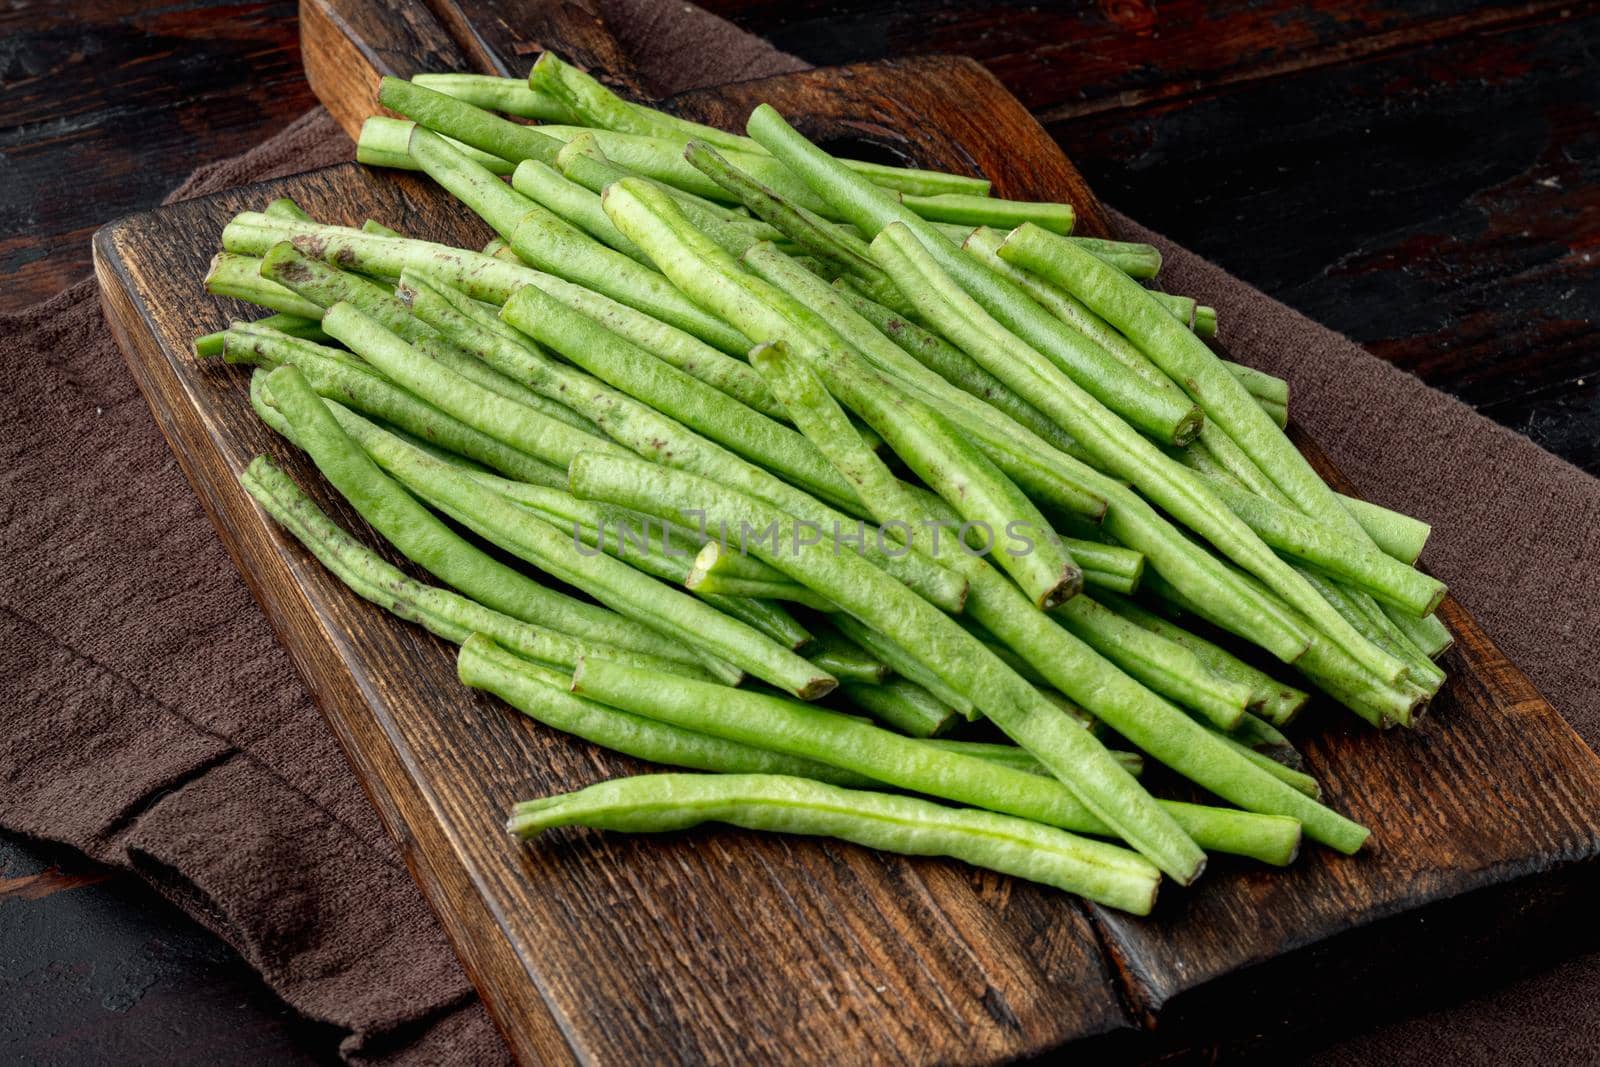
(832, 244)
(989, 211)
(613, 583)
(870, 209)
(814, 733)
(883, 821)
(966, 399)
(568, 200)
(472, 126)
(1399, 535)
(514, 424)
(543, 695)
(306, 329)
(449, 615)
(1187, 360)
(967, 479)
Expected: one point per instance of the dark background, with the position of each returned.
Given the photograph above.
(1424, 177)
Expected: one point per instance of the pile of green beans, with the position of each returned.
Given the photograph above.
(897, 511)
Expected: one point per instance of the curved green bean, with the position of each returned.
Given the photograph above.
(841, 741)
(511, 96)
(889, 823)
(461, 121)
(990, 211)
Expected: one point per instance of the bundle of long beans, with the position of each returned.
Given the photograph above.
(835, 458)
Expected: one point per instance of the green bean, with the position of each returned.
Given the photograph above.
(1333, 670)
(306, 329)
(1278, 413)
(613, 583)
(542, 695)
(676, 394)
(765, 616)
(1399, 535)
(509, 95)
(568, 200)
(1296, 780)
(1115, 444)
(426, 541)
(545, 241)
(833, 245)
(383, 142)
(988, 211)
(1259, 384)
(967, 479)
(1164, 667)
(1353, 562)
(373, 226)
(903, 705)
(889, 823)
(1205, 321)
(700, 582)
(449, 615)
(905, 664)
(870, 210)
(337, 376)
(846, 662)
(1107, 566)
(650, 434)
(448, 116)
(506, 421)
(326, 286)
(1259, 734)
(942, 647)
(1132, 258)
(813, 733)
(1277, 702)
(284, 207)
(1429, 634)
(239, 277)
(661, 159)
(1181, 307)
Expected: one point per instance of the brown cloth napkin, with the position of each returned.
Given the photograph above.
(153, 721)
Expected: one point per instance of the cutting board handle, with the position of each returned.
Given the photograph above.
(347, 45)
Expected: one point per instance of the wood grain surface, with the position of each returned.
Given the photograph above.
(728, 946)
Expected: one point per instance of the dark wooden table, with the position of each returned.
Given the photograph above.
(1424, 177)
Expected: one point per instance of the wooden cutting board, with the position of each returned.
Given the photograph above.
(722, 945)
